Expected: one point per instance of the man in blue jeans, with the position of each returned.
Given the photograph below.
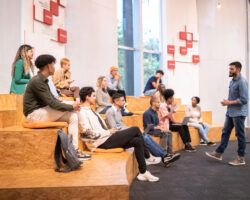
(114, 120)
(237, 111)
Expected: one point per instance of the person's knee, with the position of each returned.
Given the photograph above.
(138, 142)
(73, 117)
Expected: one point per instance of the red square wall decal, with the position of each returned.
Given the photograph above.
(195, 58)
(47, 17)
(182, 35)
(171, 64)
(183, 50)
(171, 49)
(61, 35)
(54, 8)
(189, 43)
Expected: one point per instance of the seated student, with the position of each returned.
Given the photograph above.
(114, 120)
(40, 105)
(62, 80)
(194, 112)
(153, 83)
(114, 82)
(159, 93)
(114, 86)
(22, 69)
(150, 119)
(96, 135)
(166, 118)
(102, 95)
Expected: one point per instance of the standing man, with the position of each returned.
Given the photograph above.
(153, 83)
(237, 111)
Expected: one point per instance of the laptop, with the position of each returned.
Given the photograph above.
(185, 120)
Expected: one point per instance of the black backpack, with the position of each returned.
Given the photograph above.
(65, 155)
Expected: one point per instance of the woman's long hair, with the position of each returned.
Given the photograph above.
(22, 54)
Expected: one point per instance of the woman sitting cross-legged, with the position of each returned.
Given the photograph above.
(194, 112)
(96, 134)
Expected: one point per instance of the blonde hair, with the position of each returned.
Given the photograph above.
(113, 68)
(64, 61)
(99, 81)
(22, 54)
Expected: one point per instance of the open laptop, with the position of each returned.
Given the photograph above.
(185, 120)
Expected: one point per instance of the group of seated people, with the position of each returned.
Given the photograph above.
(41, 105)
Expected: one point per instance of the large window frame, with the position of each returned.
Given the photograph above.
(138, 50)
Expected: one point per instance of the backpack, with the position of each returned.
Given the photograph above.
(65, 155)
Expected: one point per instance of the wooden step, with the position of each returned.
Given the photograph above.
(215, 132)
(22, 148)
(134, 120)
(105, 176)
(214, 135)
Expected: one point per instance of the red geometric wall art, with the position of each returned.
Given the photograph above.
(171, 64)
(61, 35)
(54, 8)
(171, 49)
(47, 17)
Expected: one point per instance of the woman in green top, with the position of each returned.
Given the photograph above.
(22, 69)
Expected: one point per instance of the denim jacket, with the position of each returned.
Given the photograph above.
(238, 90)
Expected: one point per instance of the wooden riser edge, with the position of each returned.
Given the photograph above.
(213, 135)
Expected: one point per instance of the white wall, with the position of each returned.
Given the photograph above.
(185, 78)
(10, 38)
(92, 39)
(222, 40)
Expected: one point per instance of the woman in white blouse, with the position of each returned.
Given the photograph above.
(194, 112)
(102, 96)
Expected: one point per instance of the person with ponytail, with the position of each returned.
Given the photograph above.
(22, 69)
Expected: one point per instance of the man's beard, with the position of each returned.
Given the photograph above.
(232, 74)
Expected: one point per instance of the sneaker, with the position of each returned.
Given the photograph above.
(203, 143)
(211, 144)
(147, 176)
(82, 156)
(171, 158)
(189, 148)
(214, 155)
(152, 160)
(238, 161)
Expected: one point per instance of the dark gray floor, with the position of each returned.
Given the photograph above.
(195, 176)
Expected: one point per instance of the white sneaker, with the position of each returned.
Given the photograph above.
(152, 160)
(147, 176)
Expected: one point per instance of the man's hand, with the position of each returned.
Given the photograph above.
(112, 130)
(70, 81)
(225, 102)
(118, 77)
(76, 106)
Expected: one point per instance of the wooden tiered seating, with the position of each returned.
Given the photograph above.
(27, 166)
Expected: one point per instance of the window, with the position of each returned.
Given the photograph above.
(139, 42)
(151, 30)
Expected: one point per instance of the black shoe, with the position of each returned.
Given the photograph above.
(83, 156)
(189, 148)
(203, 143)
(211, 144)
(169, 159)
